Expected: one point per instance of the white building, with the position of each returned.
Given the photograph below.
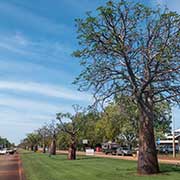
(168, 140)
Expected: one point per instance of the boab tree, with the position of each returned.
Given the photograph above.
(129, 49)
(44, 134)
(69, 124)
(52, 131)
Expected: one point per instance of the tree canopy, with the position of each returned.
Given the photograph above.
(4, 142)
(129, 49)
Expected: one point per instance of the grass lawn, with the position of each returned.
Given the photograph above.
(41, 167)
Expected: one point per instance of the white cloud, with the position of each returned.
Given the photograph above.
(15, 126)
(173, 5)
(14, 43)
(21, 116)
(46, 90)
(161, 2)
(24, 119)
(30, 106)
(21, 45)
(31, 20)
(17, 70)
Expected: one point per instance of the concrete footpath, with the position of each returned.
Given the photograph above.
(11, 168)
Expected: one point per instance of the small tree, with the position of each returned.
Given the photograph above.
(71, 128)
(133, 50)
(53, 131)
(44, 134)
(33, 140)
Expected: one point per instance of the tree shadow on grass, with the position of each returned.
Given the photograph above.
(86, 157)
(166, 169)
(64, 157)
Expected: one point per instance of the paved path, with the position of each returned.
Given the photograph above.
(11, 168)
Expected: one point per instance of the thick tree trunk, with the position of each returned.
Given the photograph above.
(72, 149)
(44, 148)
(35, 148)
(53, 147)
(147, 158)
(72, 152)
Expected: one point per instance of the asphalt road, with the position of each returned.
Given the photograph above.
(10, 167)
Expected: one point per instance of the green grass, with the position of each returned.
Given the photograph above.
(41, 167)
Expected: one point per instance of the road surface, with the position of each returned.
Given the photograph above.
(11, 168)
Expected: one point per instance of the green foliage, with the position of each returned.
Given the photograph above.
(45, 135)
(118, 122)
(63, 140)
(163, 119)
(33, 138)
(5, 143)
(127, 48)
(87, 130)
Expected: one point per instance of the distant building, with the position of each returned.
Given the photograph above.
(177, 131)
(168, 140)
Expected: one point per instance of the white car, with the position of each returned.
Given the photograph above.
(124, 151)
(10, 151)
(3, 151)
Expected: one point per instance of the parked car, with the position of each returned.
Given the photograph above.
(15, 149)
(10, 151)
(3, 151)
(109, 148)
(110, 151)
(124, 151)
(166, 149)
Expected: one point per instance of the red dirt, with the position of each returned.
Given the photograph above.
(11, 168)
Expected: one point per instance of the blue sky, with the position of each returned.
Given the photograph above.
(36, 67)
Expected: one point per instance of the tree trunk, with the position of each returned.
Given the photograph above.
(147, 158)
(53, 147)
(35, 148)
(44, 148)
(72, 152)
(72, 149)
